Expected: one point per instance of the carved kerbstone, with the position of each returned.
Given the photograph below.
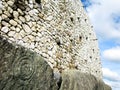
(22, 69)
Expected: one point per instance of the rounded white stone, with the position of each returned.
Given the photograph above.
(27, 45)
(33, 12)
(12, 28)
(33, 28)
(4, 16)
(18, 29)
(31, 5)
(12, 22)
(7, 13)
(43, 49)
(19, 26)
(40, 45)
(37, 38)
(36, 50)
(32, 46)
(11, 33)
(41, 15)
(26, 28)
(22, 33)
(10, 2)
(34, 23)
(5, 23)
(21, 42)
(5, 4)
(17, 36)
(5, 29)
(51, 65)
(18, 21)
(27, 17)
(30, 24)
(50, 53)
(10, 9)
(20, 11)
(22, 19)
(34, 34)
(39, 35)
(49, 18)
(15, 14)
(11, 39)
(26, 39)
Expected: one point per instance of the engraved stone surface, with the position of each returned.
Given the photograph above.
(22, 69)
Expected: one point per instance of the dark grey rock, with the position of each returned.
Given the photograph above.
(75, 80)
(22, 69)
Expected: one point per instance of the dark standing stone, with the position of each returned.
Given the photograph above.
(75, 80)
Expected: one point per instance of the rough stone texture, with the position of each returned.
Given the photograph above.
(22, 69)
(75, 80)
(59, 30)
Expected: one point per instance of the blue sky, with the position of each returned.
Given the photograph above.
(105, 17)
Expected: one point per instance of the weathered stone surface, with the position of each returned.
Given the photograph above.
(22, 69)
(75, 80)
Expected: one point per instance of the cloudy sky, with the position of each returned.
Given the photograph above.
(105, 17)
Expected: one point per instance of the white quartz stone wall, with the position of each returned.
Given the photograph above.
(59, 30)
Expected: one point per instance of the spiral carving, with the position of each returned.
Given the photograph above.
(24, 67)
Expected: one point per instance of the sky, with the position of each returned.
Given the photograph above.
(105, 17)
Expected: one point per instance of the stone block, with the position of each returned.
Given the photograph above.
(22, 69)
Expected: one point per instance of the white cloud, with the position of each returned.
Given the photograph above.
(111, 78)
(101, 17)
(114, 85)
(112, 54)
(111, 75)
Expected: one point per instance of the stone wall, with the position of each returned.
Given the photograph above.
(58, 30)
